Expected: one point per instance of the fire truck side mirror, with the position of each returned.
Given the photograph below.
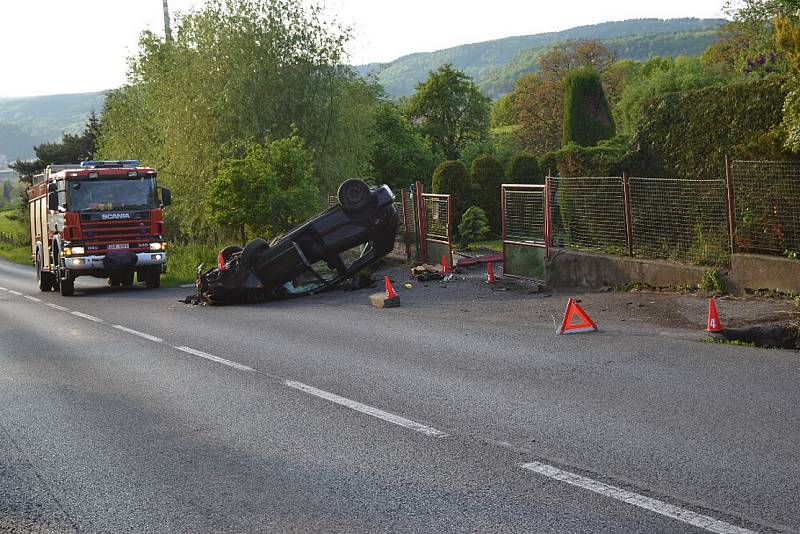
(166, 196)
(52, 201)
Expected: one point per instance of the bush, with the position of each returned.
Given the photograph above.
(587, 117)
(451, 178)
(577, 161)
(687, 135)
(525, 170)
(474, 226)
(487, 175)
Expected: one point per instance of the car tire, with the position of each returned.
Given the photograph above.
(229, 251)
(251, 250)
(354, 195)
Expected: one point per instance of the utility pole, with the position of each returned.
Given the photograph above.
(167, 30)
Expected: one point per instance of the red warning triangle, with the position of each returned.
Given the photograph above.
(583, 324)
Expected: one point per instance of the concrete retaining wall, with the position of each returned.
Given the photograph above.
(568, 269)
(757, 271)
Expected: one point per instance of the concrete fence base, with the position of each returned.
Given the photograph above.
(568, 269)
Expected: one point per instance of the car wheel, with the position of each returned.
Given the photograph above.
(354, 195)
(229, 251)
(251, 250)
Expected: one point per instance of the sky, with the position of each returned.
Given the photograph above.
(73, 46)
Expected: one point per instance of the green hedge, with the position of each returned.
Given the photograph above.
(687, 135)
(487, 175)
(587, 117)
(451, 178)
(577, 161)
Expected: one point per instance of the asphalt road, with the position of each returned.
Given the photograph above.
(123, 410)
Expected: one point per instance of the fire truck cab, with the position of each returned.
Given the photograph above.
(97, 218)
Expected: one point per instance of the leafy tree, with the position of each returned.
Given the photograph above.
(474, 226)
(450, 110)
(400, 156)
(451, 178)
(538, 103)
(503, 111)
(270, 188)
(235, 73)
(788, 38)
(660, 76)
(525, 170)
(487, 177)
(587, 117)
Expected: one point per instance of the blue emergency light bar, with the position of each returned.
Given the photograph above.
(110, 164)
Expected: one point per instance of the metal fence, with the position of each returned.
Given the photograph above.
(437, 229)
(526, 231)
(767, 206)
(589, 213)
(680, 220)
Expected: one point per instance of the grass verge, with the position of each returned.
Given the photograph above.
(182, 262)
(14, 244)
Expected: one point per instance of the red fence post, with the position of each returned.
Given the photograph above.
(405, 223)
(626, 196)
(731, 207)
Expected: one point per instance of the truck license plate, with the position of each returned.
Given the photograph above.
(118, 246)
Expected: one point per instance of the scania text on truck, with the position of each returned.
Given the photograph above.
(97, 218)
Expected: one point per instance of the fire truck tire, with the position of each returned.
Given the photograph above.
(46, 281)
(67, 285)
(124, 278)
(152, 277)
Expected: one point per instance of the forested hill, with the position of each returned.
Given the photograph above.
(27, 121)
(495, 65)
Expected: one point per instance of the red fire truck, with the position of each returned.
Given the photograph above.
(97, 218)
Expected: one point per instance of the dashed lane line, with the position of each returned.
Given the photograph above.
(34, 299)
(87, 316)
(654, 505)
(137, 333)
(369, 410)
(17, 293)
(3, 288)
(217, 359)
(57, 307)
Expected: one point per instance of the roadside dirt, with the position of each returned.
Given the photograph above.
(514, 301)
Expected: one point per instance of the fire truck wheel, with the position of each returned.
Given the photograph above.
(45, 281)
(67, 285)
(152, 277)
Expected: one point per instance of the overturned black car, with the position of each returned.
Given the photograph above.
(321, 253)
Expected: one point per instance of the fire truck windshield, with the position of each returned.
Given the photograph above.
(105, 195)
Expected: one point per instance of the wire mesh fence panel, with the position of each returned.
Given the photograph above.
(437, 217)
(680, 220)
(400, 244)
(767, 206)
(524, 215)
(411, 222)
(588, 213)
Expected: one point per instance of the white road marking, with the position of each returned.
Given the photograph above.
(15, 292)
(217, 359)
(675, 512)
(3, 288)
(34, 299)
(57, 307)
(369, 410)
(87, 316)
(137, 333)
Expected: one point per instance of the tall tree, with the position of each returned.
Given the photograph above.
(538, 103)
(238, 72)
(587, 117)
(450, 110)
(400, 156)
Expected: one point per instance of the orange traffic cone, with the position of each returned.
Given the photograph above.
(714, 324)
(490, 279)
(445, 267)
(390, 294)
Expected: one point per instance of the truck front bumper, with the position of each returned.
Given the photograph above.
(94, 263)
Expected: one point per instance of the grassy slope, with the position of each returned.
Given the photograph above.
(14, 238)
